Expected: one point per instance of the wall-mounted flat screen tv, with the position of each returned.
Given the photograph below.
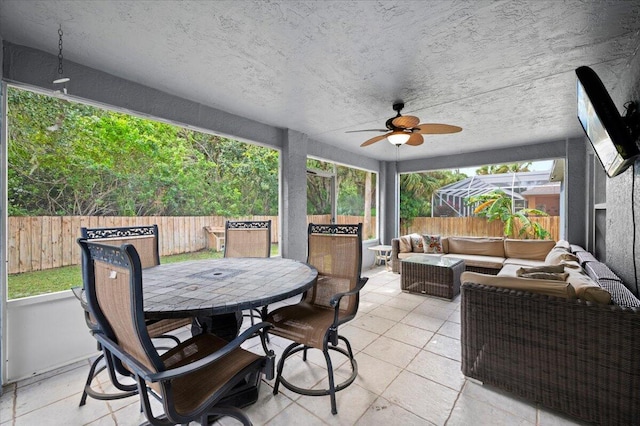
(609, 134)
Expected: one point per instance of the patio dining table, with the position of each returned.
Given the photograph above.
(216, 291)
(212, 287)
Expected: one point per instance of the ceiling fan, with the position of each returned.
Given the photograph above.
(404, 129)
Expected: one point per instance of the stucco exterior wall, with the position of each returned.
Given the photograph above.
(623, 192)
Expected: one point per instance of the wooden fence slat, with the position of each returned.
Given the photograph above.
(56, 242)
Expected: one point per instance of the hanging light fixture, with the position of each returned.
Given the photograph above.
(61, 78)
(398, 137)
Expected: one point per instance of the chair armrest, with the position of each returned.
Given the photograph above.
(335, 299)
(335, 303)
(149, 376)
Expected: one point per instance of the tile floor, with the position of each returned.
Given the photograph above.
(408, 352)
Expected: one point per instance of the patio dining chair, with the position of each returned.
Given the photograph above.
(248, 239)
(189, 379)
(336, 252)
(145, 239)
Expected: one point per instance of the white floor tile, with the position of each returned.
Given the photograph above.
(408, 351)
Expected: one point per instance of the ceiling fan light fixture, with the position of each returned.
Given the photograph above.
(398, 137)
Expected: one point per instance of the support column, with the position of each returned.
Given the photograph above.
(390, 201)
(575, 229)
(293, 210)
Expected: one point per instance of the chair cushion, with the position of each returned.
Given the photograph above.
(193, 389)
(303, 323)
(527, 249)
(432, 243)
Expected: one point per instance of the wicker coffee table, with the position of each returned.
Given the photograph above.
(433, 275)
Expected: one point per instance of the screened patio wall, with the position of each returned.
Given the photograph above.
(33, 68)
(451, 198)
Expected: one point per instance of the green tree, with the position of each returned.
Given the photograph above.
(497, 205)
(72, 159)
(416, 190)
(503, 168)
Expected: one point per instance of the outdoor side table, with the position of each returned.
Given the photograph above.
(432, 275)
(383, 255)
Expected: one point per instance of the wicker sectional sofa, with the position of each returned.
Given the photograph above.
(480, 254)
(563, 352)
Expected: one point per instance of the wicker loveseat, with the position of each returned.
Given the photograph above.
(480, 254)
(568, 354)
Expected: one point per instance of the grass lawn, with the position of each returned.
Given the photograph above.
(60, 279)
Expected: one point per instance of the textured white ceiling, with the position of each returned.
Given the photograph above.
(502, 70)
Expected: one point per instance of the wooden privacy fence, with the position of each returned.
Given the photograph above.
(45, 242)
(473, 226)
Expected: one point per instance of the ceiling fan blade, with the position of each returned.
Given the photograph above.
(415, 139)
(406, 121)
(367, 130)
(374, 140)
(436, 129)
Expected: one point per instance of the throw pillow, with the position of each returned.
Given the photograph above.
(416, 243)
(553, 269)
(405, 244)
(432, 243)
(545, 276)
(558, 255)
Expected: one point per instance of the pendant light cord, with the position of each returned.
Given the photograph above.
(60, 69)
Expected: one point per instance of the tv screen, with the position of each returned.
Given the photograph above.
(610, 137)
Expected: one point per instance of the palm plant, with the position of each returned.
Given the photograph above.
(497, 205)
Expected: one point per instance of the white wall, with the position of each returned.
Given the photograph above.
(45, 332)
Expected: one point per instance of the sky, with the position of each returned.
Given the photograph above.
(535, 166)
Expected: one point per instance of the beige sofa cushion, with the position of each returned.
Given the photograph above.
(559, 255)
(524, 262)
(528, 249)
(548, 287)
(408, 255)
(586, 288)
(493, 262)
(477, 245)
(563, 244)
(405, 244)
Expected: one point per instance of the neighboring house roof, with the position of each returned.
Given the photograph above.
(549, 189)
(508, 182)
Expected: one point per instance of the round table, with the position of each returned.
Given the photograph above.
(216, 291)
(383, 255)
(204, 288)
